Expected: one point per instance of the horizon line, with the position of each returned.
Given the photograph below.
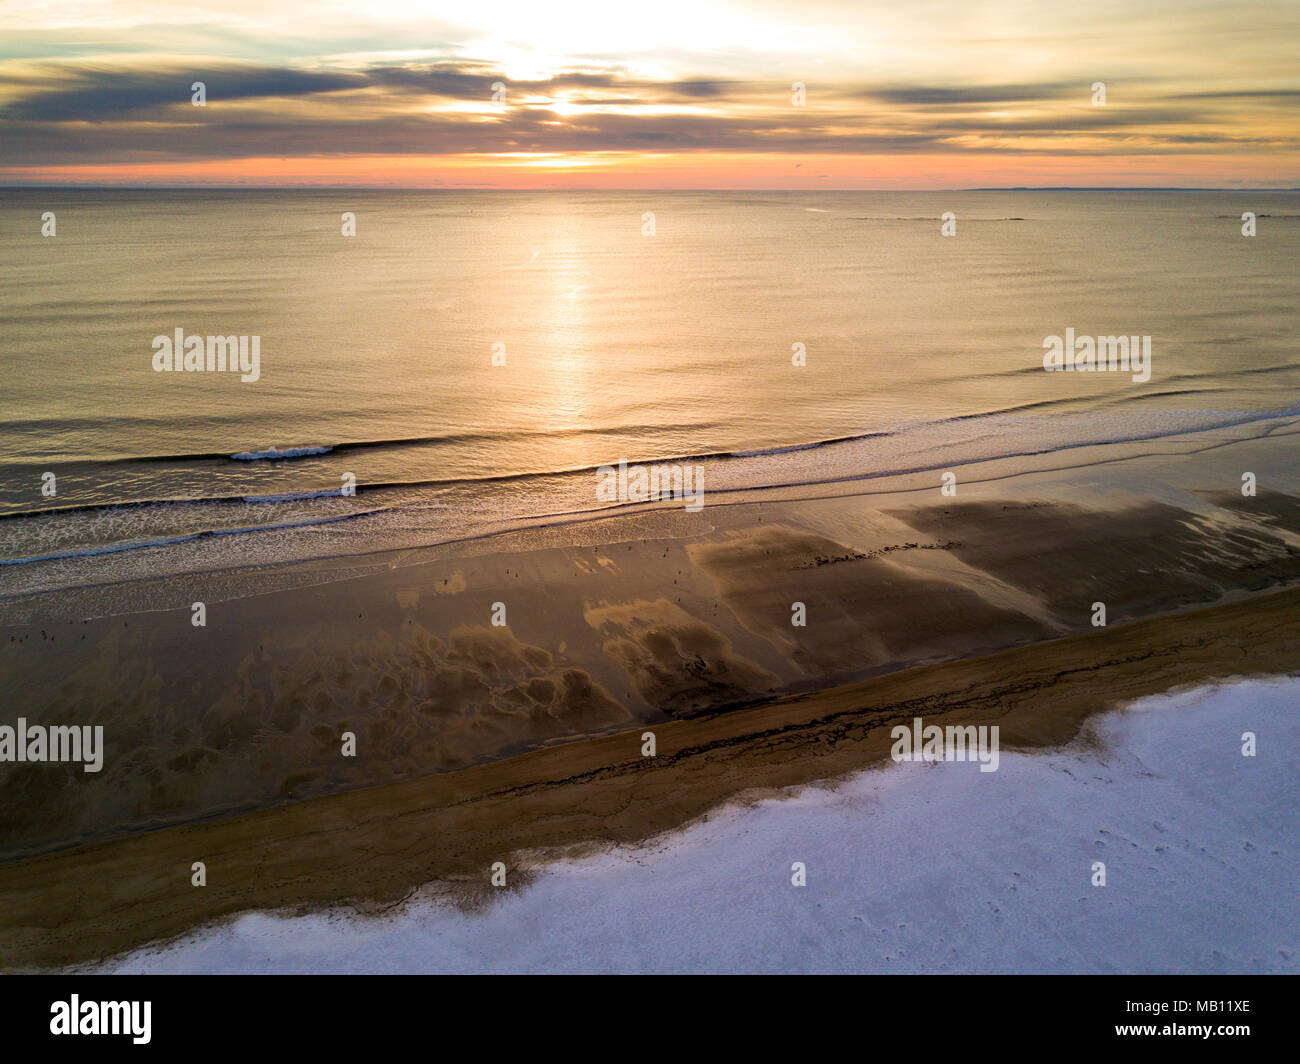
(191, 187)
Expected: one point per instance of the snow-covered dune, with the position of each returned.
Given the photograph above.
(910, 868)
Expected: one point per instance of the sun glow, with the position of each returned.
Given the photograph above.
(696, 93)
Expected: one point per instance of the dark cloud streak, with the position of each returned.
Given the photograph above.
(100, 114)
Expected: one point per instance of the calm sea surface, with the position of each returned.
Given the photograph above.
(376, 352)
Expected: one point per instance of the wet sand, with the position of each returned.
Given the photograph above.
(452, 661)
(372, 847)
(497, 692)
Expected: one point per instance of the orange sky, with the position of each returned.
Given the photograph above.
(700, 171)
(692, 94)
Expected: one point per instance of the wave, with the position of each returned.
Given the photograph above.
(273, 453)
(921, 218)
(165, 541)
(790, 448)
(1206, 421)
(296, 496)
(318, 450)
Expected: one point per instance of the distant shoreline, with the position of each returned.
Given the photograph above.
(198, 187)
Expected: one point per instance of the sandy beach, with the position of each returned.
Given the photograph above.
(909, 868)
(451, 656)
(477, 743)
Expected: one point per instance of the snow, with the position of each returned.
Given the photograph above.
(910, 868)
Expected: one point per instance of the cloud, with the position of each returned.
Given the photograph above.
(108, 113)
(90, 94)
(970, 95)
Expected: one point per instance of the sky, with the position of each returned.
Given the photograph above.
(753, 94)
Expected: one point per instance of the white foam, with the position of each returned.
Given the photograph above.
(913, 868)
(275, 452)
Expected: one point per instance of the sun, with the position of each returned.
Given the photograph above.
(566, 108)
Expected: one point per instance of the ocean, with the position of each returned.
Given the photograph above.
(638, 326)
